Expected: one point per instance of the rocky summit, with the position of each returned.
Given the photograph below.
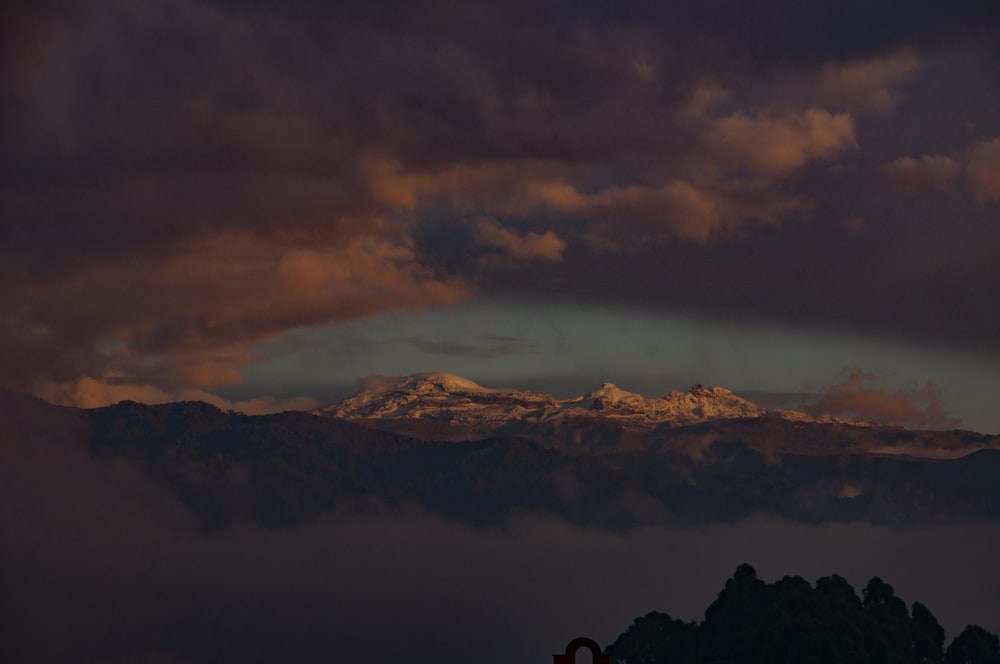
(441, 405)
(445, 407)
(444, 397)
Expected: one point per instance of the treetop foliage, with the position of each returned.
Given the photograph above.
(792, 621)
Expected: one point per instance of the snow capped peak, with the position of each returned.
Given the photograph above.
(453, 383)
(435, 380)
(702, 391)
(702, 403)
(608, 389)
(449, 400)
(610, 396)
(445, 381)
(438, 396)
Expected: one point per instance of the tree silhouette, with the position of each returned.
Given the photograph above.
(791, 621)
(974, 646)
(928, 636)
(656, 637)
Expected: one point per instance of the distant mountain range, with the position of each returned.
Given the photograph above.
(442, 407)
(448, 446)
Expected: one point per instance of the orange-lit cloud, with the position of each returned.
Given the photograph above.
(854, 225)
(777, 145)
(866, 83)
(184, 319)
(857, 397)
(700, 212)
(983, 171)
(713, 204)
(187, 178)
(545, 246)
(921, 173)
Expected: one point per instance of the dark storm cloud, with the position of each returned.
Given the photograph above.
(845, 29)
(184, 180)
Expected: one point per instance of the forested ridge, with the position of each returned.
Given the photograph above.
(793, 621)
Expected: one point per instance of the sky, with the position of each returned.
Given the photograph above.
(259, 203)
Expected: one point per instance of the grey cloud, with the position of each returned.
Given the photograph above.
(491, 347)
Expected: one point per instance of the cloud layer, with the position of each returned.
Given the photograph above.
(184, 180)
(100, 565)
(859, 398)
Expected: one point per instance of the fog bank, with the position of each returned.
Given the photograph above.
(99, 565)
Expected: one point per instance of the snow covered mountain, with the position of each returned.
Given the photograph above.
(460, 401)
(443, 406)
(586, 464)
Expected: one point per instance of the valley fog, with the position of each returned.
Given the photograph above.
(98, 565)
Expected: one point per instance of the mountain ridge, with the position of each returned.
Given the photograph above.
(444, 408)
(440, 406)
(444, 396)
(291, 468)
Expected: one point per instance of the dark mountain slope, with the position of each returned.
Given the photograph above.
(291, 468)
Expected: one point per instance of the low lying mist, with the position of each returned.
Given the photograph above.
(98, 565)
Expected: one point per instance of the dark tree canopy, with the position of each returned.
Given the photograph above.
(791, 621)
(974, 646)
